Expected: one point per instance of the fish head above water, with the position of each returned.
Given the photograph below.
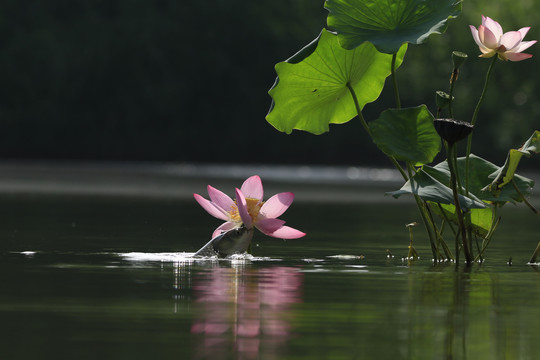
(234, 241)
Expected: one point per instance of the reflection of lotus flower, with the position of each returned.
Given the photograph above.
(249, 209)
(492, 41)
(250, 307)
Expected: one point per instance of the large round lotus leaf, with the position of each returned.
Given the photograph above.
(311, 90)
(389, 23)
(407, 134)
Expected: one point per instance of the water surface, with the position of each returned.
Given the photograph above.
(110, 277)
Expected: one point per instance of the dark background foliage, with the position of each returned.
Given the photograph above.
(180, 81)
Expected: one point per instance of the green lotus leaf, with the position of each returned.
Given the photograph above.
(389, 23)
(480, 173)
(434, 183)
(407, 134)
(311, 90)
(429, 188)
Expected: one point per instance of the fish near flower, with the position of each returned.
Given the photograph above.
(249, 209)
(492, 41)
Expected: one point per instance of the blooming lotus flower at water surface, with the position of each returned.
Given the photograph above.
(493, 41)
(250, 210)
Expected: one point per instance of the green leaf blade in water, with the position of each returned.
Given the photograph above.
(505, 174)
(407, 134)
(311, 91)
(389, 23)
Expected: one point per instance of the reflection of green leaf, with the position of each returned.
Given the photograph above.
(481, 171)
(505, 174)
(407, 134)
(429, 188)
(389, 23)
(311, 89)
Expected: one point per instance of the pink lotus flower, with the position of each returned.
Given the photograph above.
(250, 210)
(508, 46)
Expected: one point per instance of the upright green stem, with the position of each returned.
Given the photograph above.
(429, 226)
(358, 110)
(366, 127)
(400, 169)
(534, 210)
(438, 233)
(494, 223)
(459, 214)
(451, 94)
(529, 205)
(481, 99)
(535, 254)
(473, 122)
(413, 254)
(394, 81)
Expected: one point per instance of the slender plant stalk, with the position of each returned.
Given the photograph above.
(451, 92)
(446, 219)
(394, 81)
(487, 238)
(447, 251)
(468, 222)
(481, 99)
(438, 234)
(478, 257)
(459, 214)
(458, 248)
(413, 254)
(535, 254)
(429, 225)
(473, 122)
(358, 110)
(396, 164)
(422, 206)
(534, 210)
(366, 127)
(529, 205)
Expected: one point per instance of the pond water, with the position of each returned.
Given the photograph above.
(105, 277)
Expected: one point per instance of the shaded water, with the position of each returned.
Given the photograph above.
(106, 277)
